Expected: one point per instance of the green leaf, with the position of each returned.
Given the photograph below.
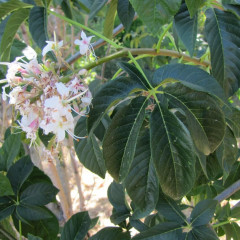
(31, 237)
(233, 121)
(163, 231)
(186, 28)
(12, 5)
(194, 5)
(232, 231)
(203, 233)
(67, 8)
(190, 76)
(5, 186)
(88, 150)
(172, 153)
(96, 6)
(138, 224)
(203, 212)
(6, 211)
(116, 196)
(141, 182)
(47, 229)
(45, 138)
(169, 209)
(155, 14)
(109, 95)
(38, 27)
(204, 118)
(38, 194)
(13, 23)
(228, 151)
(9, 151)
(125, 13)
(17, 49)
(221, 30)
(120, 140)
(19, 172)
(31, 213)
(36, 176)
(134, 74)
(110, 233)
(109, 19)
(76, 227)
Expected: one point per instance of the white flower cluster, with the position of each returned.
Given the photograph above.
(42, 99)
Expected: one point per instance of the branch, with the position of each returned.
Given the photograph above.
(228, 192)
(149, 52)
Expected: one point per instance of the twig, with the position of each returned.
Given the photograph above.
(228, 192)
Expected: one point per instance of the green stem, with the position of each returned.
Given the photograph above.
(138, 67)
(20, 229)
(162, 36)
(225, 222)
(84, 27)
(130, 61)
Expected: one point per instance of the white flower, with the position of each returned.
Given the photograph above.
(54, 102)
(62, 90)
(4, 94)
(29, 124)
(17, 95)
(52, 46)
(84, 44)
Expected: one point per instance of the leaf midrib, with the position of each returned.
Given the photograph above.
(134, 123)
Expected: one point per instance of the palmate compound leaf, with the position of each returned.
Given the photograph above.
(88, 150)
(222, 34)
(120, 140)
(186, 28)
(172, 152)
(109, 95)
(205, 119)
(141, 182)
(156, 13)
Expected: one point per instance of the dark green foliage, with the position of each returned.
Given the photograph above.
(125, 13)
(88, 150)
(76, 227)
(186, 28)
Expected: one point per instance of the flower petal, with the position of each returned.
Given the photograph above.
(83, 49)
(78, 42)
(62, 89)
(83, 35)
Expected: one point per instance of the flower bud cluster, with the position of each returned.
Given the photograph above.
(42, 100)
